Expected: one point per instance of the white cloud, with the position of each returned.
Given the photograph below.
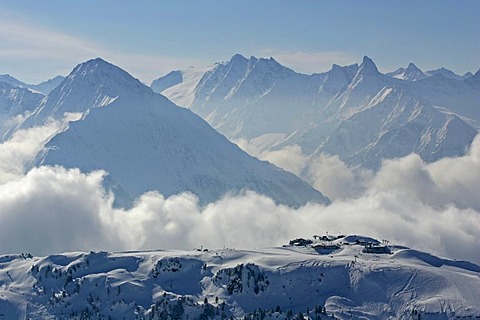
(334, 178)
(290, 158)
(309, 62)
(453, 181)
(17, 152)
(53, 209)
(326, 173)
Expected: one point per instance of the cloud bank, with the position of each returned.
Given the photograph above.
(432, 207)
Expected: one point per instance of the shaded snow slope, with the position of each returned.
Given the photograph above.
(145, 143)
(343, 278)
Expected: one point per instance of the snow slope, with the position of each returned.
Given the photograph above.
(344, 278)
(355, 112)
(145, 143)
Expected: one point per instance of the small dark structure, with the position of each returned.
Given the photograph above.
(300, 242)
(376, 249)
(325, 248)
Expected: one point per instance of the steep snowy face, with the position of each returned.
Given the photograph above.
(398, 124)
(92, 84)
(15, 104)
(145, 143)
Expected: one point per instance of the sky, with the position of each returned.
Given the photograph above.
(41, 39)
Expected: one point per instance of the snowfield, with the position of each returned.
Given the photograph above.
(349, 277)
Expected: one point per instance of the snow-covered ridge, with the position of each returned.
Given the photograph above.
(342, 277)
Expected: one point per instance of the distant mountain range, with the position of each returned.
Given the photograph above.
(413, 73)
(352, 277)
(145, 142)
(355, 111)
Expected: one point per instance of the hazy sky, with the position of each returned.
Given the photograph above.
(40, 39)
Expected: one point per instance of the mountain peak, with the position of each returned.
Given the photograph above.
(412, 66)
(413, 73)
(236, 58)
(91, 84)
(103, 73)
(368, 65)
(92, 64)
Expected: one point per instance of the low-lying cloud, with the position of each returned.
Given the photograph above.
(17, 153)
(431, 207)
(52, 209)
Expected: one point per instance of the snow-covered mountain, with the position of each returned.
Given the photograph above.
(448, 74)
(15, 104)
(352, 277)
(145, 142)
(43, 87)
(355, 112)
(411, 73)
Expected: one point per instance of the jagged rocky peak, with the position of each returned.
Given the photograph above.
(368, 65)
(412, 67)
(413, 73)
